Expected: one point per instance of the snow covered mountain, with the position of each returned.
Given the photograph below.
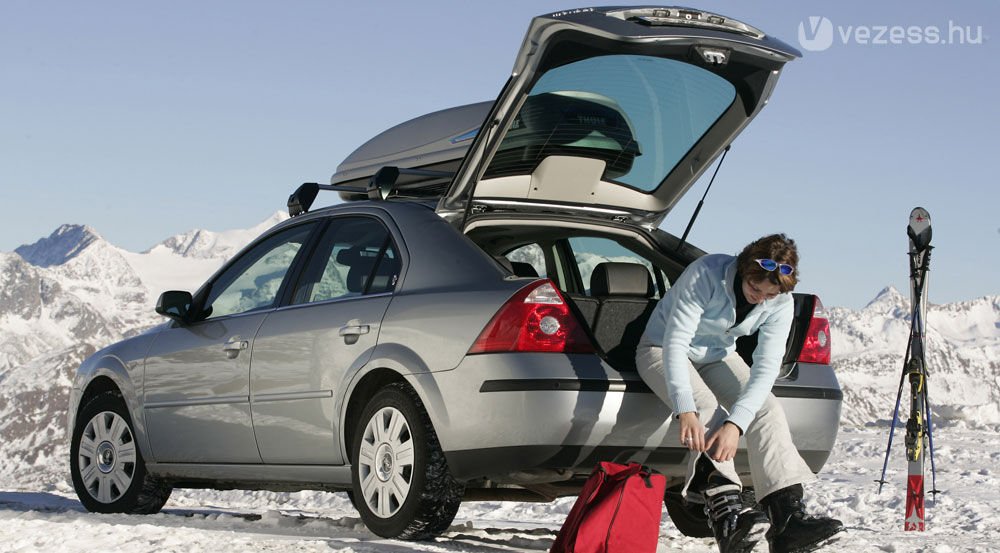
(64, 297)
(70, 293)
(963, 358)
(205, 244)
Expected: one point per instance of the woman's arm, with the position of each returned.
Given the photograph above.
(766, 363)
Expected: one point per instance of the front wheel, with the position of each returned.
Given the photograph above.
(108, 470)
(400, 479)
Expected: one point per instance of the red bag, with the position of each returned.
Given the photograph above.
(618, 511)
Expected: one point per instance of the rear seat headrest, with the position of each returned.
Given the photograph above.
(621, 279)
(522, 269)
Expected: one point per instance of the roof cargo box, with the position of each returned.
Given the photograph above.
(436, 141)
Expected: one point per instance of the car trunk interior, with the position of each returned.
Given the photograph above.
(612, 295)
(613, 298)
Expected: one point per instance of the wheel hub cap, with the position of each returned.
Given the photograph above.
(105, 457)
(384, 461)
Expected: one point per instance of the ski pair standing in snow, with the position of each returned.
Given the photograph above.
(919, 438)
(687, 356)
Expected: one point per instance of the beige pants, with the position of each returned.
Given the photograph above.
(774, 461)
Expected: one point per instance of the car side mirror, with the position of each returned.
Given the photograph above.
(175, 305)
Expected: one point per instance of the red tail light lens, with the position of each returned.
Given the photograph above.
(816, 347)
(536, 318)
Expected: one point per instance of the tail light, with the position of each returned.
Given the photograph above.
(536, 318)
(816, 346)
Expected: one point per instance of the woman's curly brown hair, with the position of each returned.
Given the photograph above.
(777, 247)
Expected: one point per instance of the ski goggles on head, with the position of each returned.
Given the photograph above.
(770, 265)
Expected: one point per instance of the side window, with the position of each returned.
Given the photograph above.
(530, 254)
(355, 256)
(253, 281)
(591, 251)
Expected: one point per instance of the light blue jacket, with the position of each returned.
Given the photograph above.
(694, 321)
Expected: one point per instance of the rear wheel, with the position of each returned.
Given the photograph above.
(400, 479)
(108, 470)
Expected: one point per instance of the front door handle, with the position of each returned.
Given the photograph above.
(234, 346)
(354, 330)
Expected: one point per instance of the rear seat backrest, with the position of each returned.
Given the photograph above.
(586, 306)
(624, 292)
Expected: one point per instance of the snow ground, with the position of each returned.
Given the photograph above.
(963, 519)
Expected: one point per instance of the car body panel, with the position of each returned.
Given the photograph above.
(553, 411)
(122, 364)
(254, 476)
(191, 383)
(299, 363)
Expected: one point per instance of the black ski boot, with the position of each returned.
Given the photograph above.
(737, 528)
(792, 531)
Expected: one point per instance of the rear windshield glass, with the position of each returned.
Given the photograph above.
(639, 114)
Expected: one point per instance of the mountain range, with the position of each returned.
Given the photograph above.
(71, 293)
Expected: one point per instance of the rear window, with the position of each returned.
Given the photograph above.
(639, 114)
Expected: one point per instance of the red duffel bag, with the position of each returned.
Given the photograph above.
(618, 511)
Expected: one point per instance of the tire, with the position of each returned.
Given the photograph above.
(109, 473)
(401, 484)
(689, 518)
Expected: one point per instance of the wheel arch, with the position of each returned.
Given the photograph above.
(361, 393)
(390, 363)
(111, 376)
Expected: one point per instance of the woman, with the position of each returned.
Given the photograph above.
(687, 356)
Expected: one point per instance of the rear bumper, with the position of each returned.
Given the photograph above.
(499, 414)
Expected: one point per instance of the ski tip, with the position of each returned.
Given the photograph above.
(919, 229)
(919, 217)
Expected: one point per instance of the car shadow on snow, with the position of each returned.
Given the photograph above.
(465, 538)
(38, 501)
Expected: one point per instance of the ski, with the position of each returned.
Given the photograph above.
(919, 438)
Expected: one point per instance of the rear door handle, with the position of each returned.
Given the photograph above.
(234, 346)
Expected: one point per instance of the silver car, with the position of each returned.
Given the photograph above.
(463, 326)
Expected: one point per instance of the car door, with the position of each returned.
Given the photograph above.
(197, 376)
(303, 352)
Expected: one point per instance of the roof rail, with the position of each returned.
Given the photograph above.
(380, 186)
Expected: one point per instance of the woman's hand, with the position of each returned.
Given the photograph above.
(722, 443)
(692, 431)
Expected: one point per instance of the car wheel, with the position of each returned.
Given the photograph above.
(401, 483)
(108, 470)
(689, 518)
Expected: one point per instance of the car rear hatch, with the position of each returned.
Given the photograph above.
(609, 113)
(614, 113)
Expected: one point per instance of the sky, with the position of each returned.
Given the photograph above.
(145, 120)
